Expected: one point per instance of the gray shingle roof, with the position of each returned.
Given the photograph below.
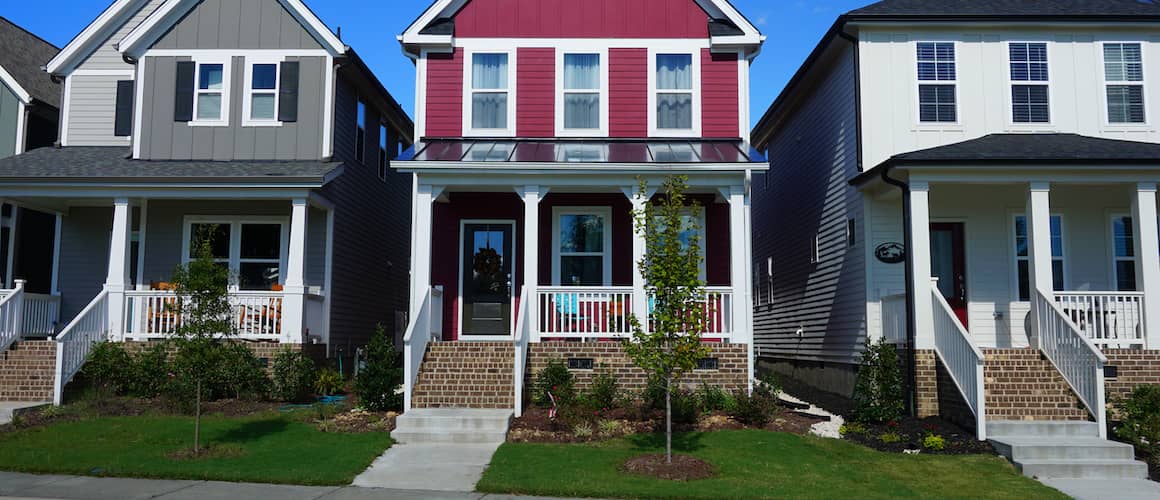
(102, 164)
(22, 56)
(1035, 8)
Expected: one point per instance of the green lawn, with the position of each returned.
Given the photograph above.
(274, 448)
(753, 464)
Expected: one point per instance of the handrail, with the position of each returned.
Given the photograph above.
(76, 340)
(415, 341)
(1074, 355)
(520, 342)
(11, 320)
(963, 359)
(41, 314)
(1110, 319)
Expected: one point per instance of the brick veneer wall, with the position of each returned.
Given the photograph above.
(938, 396)
(263, 350)
(1134, 367)
(27, 371)
(731, 373)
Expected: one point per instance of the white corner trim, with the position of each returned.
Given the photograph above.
(7, 79)
(74, 47)
(328, 112)
(421, 96)
(138, 112)
(65, 110)
(21, 122)
(172, 11)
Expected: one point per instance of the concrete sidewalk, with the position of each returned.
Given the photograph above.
(1106, 489)
(16, 485)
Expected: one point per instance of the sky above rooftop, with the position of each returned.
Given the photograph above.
(793, 28)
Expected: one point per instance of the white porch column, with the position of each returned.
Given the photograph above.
(532, 195)
(294, 286)
(738, 264)
(919, 252)
(1039, 276)
(1148, 259)
(421, 230)
(118, 270)
(639, 247)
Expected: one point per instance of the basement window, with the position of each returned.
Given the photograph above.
(708, 364)
(581, 363)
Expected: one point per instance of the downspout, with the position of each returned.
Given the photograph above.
(912, 393)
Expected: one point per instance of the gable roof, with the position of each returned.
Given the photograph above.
(21, 61)
(1005, 8)
(170, 12)
(101, 28)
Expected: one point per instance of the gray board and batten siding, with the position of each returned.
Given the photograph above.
(805, 194)
(9, 120)
(237, 24)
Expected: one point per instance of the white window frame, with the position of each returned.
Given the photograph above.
(226, 90)
(557, 255)
(918, 83)
(1011, 83)
(653, 131)
(816, 249)
(235, 260)
(469, 91)
(602, 130)
(1142, 84)
(248, 90)
(1013, 245)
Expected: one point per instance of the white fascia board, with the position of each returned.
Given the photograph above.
(424, 19)
(7, 79)
(77, 45)
(162, 19)
(738, 19)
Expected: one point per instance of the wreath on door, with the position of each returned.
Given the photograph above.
(488, 268)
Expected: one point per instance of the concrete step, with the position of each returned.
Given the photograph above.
(452, 425)
(1056, 448)
(1084, 469)
(997, 429)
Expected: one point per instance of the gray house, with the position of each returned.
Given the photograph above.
(246, 118)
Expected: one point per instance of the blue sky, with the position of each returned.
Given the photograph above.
(793, 27)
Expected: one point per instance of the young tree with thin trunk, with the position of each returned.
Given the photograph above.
(666, 343)
(203, 308)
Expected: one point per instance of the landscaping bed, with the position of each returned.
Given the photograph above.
(930, 435)
(537, 426)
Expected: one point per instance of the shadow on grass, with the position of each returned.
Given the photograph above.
(252, 430)
(684, 442)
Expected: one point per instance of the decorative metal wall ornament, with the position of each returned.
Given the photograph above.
(890, 252)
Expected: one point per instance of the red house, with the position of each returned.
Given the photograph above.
(535, 119)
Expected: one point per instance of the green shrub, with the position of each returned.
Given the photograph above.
(294, 376)
(684, 406)
(755, 409)
(107, 368)
(890, 438)
(329, 382)
(610, 428)
(1140, 419)
(878, 389)
(769, 384)
(934, 443)
(556, 379)
(149, 372)
(582, 430)
(604, 392)
(240, 373)
(378, 381)
(852, 428)
(712, 398)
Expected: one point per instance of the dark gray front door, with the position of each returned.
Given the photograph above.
(487, 279)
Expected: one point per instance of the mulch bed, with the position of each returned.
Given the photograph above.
(683, 468)
(536, 426)
(912, 431)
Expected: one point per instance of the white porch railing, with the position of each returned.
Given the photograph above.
(151, 314)
(1075, 357)
(605, 312)
(1109, 319)
(961, 357)
(894, 318)
(41, 314)
(11, 310)
(419, 333)
(520, 341)
(76, 340)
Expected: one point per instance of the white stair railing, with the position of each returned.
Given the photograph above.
(76, 341)
(1074, 356)
(1111, 319)
(11, 312)
(522, 335)
(415, 341)
(962, 359)
(41, 314)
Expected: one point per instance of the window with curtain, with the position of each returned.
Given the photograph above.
(263, 92)
(582, 91)
(1023, 259)
(937, 78)
(1124, 252)
(489, 91)
(674, 82)
(1029, 88)
(211, 89)
(1124, 77)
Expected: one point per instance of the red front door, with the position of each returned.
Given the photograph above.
(948, 263)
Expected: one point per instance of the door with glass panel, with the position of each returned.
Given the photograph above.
(488, 260)
(252, 251)
(948, 263)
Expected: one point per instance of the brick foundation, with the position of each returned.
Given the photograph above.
(27, 371)
(1134, 367)
(731, 373)
(263, 350)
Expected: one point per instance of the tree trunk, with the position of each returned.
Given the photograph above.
(197, 422)
(668, 420)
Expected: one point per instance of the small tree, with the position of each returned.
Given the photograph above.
(667, 342)
(202, 304)
(377, 383)
(878, 388)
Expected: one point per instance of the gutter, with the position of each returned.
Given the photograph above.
(912, 393)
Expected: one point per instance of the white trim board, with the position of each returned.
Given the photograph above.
(8, 80)
(64, 60)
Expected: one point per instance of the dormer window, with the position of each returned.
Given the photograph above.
(489, 109)
(582, 94)
(212, 94)
(674, 99)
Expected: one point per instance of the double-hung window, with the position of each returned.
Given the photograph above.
(936, 82)
(490, 102)
(384, 160)
(675, 93)
(261, 104)
(1124, 252)
(211, 96)
(1023, 256)
(252, 248)
(582, 95)
(360, 135)
(1124, 78)
(582, 246)
(1030, 94)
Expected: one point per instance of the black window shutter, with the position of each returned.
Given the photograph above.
(123, 123)
(288, 92)
(183, 97)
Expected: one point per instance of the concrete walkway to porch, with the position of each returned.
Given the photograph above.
(447, 467)
(1106, 489)
(8, 409)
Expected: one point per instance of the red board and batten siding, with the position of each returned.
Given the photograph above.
(582, 19)
(720, 116)
(444, 113)
(536, 92)
(628, 92)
